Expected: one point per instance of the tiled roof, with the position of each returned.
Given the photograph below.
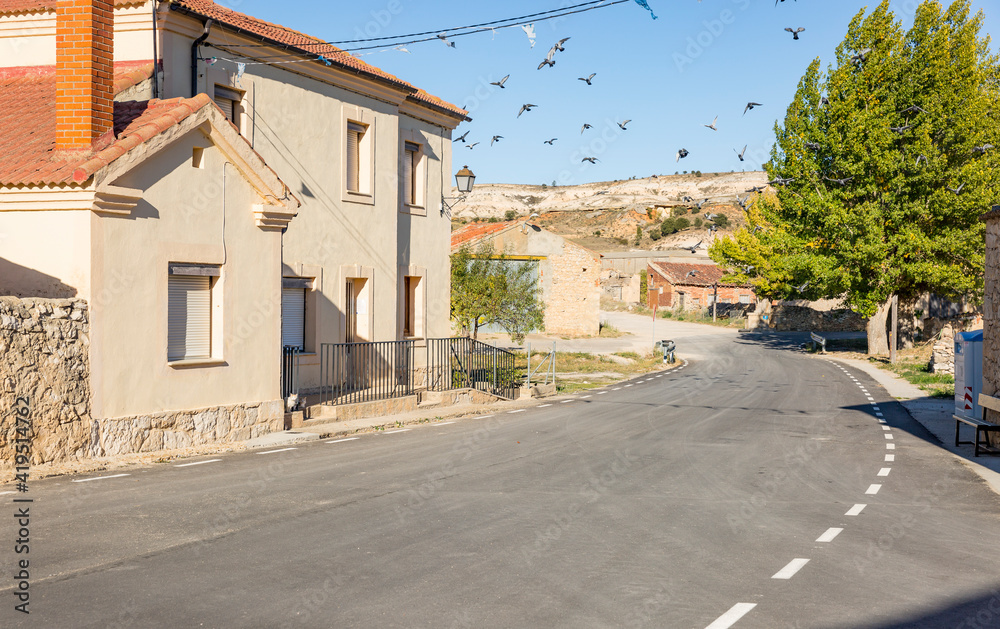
(39, 6)
(475, 232)
(677, 273)
(28, 117)
(131, 73)
(429, 99)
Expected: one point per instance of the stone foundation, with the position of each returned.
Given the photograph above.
(45, 367)
(943, 354)
(786, 318)
(180, 429)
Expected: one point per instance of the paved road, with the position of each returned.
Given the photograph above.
(671, 502)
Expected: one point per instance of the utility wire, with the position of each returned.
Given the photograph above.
(600, 5)
(516, 21)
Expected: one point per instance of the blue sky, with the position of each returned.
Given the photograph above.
(669, 76)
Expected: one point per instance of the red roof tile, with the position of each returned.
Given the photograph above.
(40, 6)
(429, 99)
(475, 232)
(678, 273)
(27, 115)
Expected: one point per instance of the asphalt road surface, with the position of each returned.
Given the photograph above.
(757, 487)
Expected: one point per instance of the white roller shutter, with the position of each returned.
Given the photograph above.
(354, 133)
(189, 317)
(293, 317)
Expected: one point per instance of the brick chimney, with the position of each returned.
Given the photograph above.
(84, 73)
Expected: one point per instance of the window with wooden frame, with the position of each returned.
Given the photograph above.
(189, 311)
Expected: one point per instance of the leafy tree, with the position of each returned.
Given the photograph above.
(721, 220)
(510, 215)
(488, 287)
(681, 223)
(643, 287)
(638, 234)
(698, 222)
(887, 163)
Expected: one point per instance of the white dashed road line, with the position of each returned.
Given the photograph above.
(4, 493)
(884, 471)
(890, 446)
(586, 396)
(727, 620)
(617, 389)
(889, 458)
(343, 440)
(888, 436)
(886, 428)
(276, 451)
(543, 405)
(856, 510)
(789, 571)
(520, 410)
(602, 393)
(87, 480)
(873, 489)
(443, 423)
(830, 535)
(565, 401)
(198, 463)
(392, 432)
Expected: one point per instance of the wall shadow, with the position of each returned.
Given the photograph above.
(21, 281)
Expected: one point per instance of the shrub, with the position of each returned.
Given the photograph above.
(722, 220)
(681, 223)
(510, 215)
(698, 222)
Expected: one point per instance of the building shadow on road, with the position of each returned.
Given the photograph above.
(979, 611)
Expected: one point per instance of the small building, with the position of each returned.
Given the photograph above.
(689, 286)
(569, 274)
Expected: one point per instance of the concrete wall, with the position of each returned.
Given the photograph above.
(196, 216)
(60, 269)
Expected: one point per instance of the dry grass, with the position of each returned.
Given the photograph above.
(579, 371)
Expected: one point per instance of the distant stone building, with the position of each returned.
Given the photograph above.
(568, 274)
(687, 286)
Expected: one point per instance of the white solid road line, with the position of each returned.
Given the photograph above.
(789, 571)
(274, 451)
(727, 620)
(856, 509)
(890, 446)
(86, 480)
(889, 458)
(830, 535)
(884, 471)
(392, 432)
(343, 440)
(198, 463)
(873, 489)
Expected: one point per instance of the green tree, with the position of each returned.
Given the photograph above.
(643, 287)
(487, 287)
(886, 163)
(510, 215)
(721, 220)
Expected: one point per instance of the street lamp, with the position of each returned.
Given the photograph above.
(464, 180)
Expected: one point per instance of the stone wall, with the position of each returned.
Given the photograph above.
(991, 317)
(943, 353)
(45, 360)
(787, 318)
(573, 304)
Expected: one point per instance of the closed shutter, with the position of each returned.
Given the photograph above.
(293, 317)
(408, 196)
(189, 317)
(354, 133)
(227, 105)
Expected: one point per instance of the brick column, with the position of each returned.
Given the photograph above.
(84, 73)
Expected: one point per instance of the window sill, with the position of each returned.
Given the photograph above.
(359, 197)
(197, 362)
(416, 210)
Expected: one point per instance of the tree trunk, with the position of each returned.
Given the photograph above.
(878, 338)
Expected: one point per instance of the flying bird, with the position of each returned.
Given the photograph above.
(802, 288)
(549, 142)
(861, 56)
(980, 150)
(592, 160)
(756, 189)
(795, 32)
(501, 82)
(751, 106)
(681, 154)
(698, 244)
(549, 59)
(740, 154)
(824, 101)
(622, 125)
(815, 146)
(495, 139)
(461, 138)
(913, 109)
(701, 203)
(585, 127)
(842, 182)
(442, 37)
(920, 158)
(777, 1)
(902, 129)
(588, 79)
(712, 126)
(559, 45)
(778, 181)
(957, 190)
(710, 217)
(524, 108)
(472, 146)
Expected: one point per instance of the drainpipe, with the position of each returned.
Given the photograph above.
(195, 55)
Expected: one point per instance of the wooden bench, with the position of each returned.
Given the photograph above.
(981, 425)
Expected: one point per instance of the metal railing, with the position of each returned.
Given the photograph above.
(460, 363)
(550, 369)
(365, 372)
(289, 371)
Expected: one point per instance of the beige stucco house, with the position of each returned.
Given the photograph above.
(208, 213)
(569, 275)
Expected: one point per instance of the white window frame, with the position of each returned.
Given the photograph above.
(209, 350)
(414, 178)
(363, 189)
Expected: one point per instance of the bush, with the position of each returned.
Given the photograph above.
(654, 235)
(698, 222)
(681, 223)
(510, 215)
(722, 220)
(494, 219)
(667, 227)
